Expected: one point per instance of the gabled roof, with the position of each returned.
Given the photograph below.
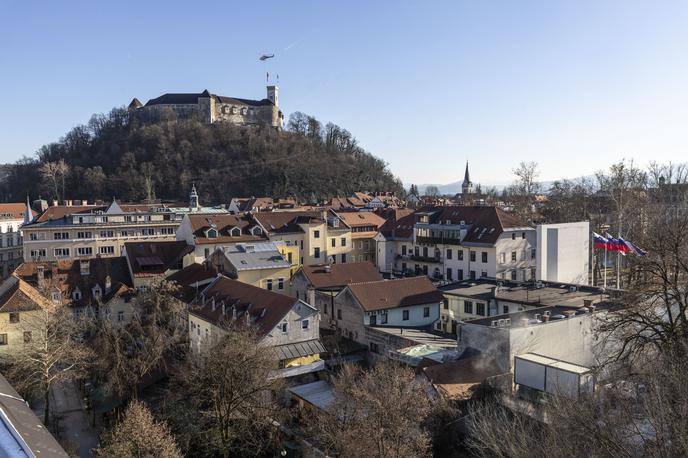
(192, 279)
(264, 308)
(155, 258)
(13, 211)
(399, 224)
(60, 211)
(286, 221)
(246, 204)
(389, 294)
(364, 218)
(66, 276)
(224, 223)
(490, 224)
(19, 296)
(340, 275)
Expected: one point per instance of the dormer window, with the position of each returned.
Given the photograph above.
(235, 232)
(212, 233)
(76, 294)
(55, 296)
(97, 292)
(255, 230)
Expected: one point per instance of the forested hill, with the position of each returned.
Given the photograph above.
(111, 156)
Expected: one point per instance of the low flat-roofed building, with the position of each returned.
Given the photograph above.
(561, 332)
(459, 380)
(21, 432)
(485, 297)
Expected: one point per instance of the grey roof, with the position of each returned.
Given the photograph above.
(300, 349)
(254, 256)
(21, 432)
(319, 394)
(192, 99)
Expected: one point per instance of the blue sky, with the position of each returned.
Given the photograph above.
(574, 86)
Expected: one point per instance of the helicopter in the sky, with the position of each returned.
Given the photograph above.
(266, 56)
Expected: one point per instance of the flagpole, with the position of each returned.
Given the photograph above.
(605, 266)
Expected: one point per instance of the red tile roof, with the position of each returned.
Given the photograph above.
(224, 223)
(265, 308)
(155, 258)
(13, 210)
(340, 275)
(388, 294)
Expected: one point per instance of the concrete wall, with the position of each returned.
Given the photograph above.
(563, 252)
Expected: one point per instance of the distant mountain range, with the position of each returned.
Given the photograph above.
(455, 187)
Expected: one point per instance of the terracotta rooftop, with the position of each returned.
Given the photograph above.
(224, 223)
(388, 294)
(340, 275)
(265, 308)
(13, 211)
(286, 221)
(155, 258)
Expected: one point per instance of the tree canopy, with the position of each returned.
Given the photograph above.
(113, 155)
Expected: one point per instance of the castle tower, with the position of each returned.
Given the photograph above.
(467, 186)
(273, 95)
(28, 214)
(193, 199)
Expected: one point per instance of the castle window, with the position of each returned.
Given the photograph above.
(244, 111)
(234, 110)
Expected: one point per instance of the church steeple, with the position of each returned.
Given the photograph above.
(193, 198)
(467, 186)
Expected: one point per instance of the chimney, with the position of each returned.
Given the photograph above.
(212, 303)
(40, 275)
(55, 203)
(234, 313)
(84, 267)
(224, 309)
(273, 95)
(108, 284)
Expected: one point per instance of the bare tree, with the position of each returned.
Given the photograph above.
(139, 435)
(522, 192)
(52, 352)
(55, 173)
(156, 335)
(432, 191)
(232, 385)
(377, 413)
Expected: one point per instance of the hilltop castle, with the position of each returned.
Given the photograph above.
(209, 108)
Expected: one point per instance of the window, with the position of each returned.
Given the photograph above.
(513, 256)
(304, 324)
(83, 235)
(212, 233)
(513, 236)
(61, 235)
(120, 316)
(523, 235)
(38, 253)
(106, 234)
(27, 336)
(167, 230)
(316, 234)
(426, 312)
(339, 314)
(383, 318)
(505, 309)
(3, 339)
(513, 275)
(502, 258)
(269, 284)
(316, 252)
(206, 252)
(472, 274)
(84, 251)
(374, 348)
(472, 256)
(459, 274)
(532, 273)
(449, 273)
(148, 231)
(334, 243)
(107, 250)
(343, 241)
(483, 273)
(445, 303)
(403, 250)
(280, 283)
(533, 253)
(405, 315)
(449, 253)
(372, 320)
(343, 258)
(125, 233)
(283, 327)
(468, 307)
(14, 317)
(484, 256)
(33, 236)
(76, 295)
(459, 255)
(480, 309)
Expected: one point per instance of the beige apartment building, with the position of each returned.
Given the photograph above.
(84, 231)
(364, 227)
(12, 217)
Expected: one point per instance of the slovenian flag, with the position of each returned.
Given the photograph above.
(600, 241)
(633, 248)
(616, 244)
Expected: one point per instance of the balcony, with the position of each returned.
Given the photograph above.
(430, 259)
(437, 241)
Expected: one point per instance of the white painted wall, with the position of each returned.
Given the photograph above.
(563, 252)
(395, 317)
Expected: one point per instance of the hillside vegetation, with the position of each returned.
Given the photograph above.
(111, 156)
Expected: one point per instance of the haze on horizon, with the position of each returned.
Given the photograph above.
(574, 86)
